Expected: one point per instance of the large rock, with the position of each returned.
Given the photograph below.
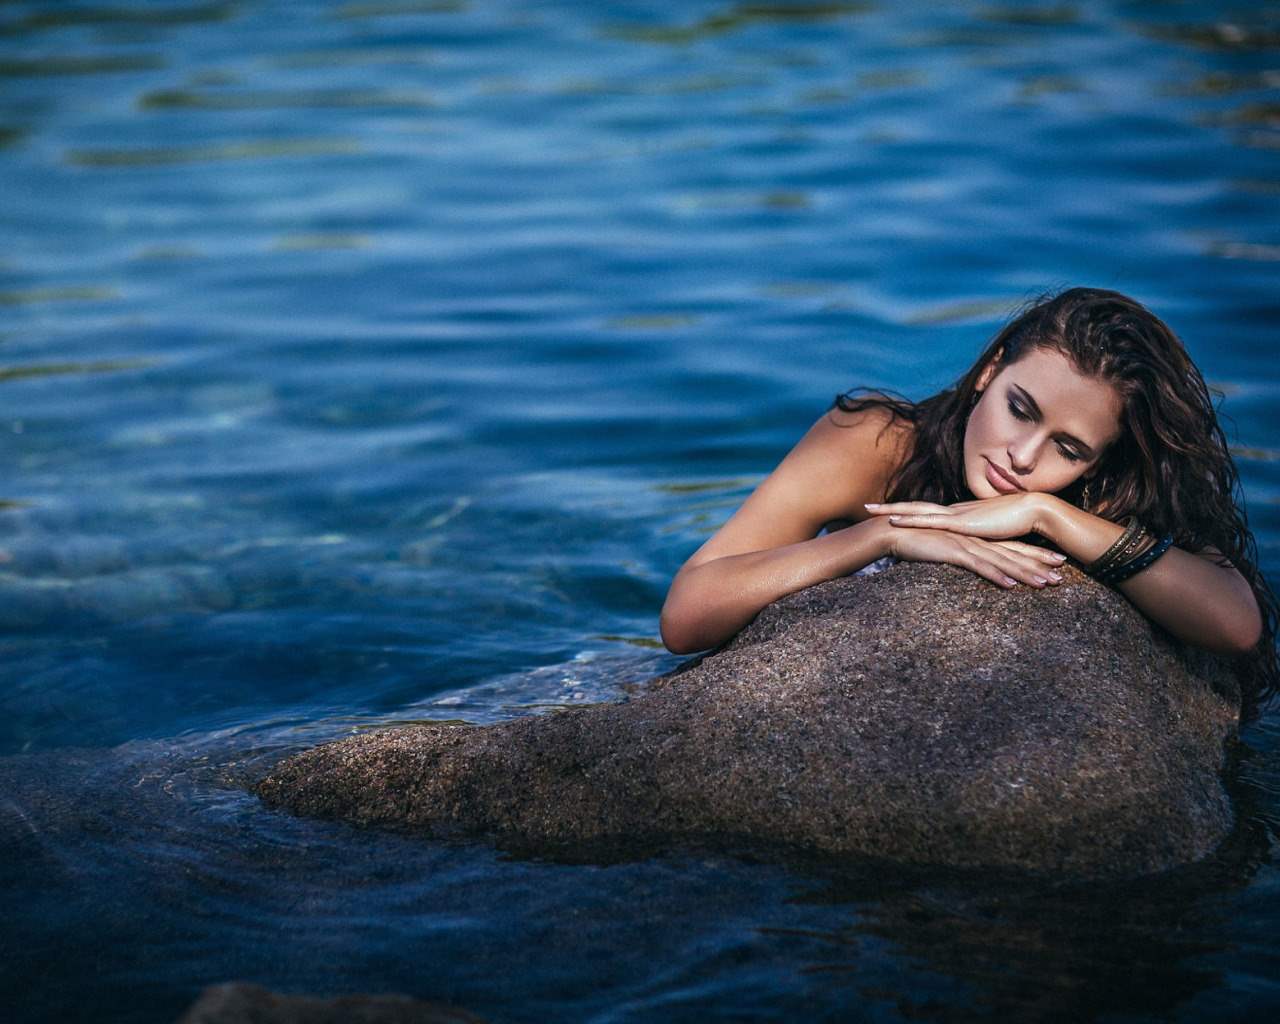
(921, 714)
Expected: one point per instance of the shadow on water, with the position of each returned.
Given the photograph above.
(1028, 954)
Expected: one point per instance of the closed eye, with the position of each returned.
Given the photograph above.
(1067, 453)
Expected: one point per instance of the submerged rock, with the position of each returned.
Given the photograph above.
(919, 714)
(238, 1002)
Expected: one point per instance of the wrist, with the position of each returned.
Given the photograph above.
(880, 531)
(1049, 511)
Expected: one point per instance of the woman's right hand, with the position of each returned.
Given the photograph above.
(1003, 562)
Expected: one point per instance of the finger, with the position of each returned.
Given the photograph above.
(1025, 569)
(932, 519)
(905, 507)
(987, 569)
(1034, 551)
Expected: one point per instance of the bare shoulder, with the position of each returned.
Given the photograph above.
(843, 461)
(863, 449)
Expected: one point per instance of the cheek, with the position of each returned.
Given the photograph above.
(977, 437)
(979, 429)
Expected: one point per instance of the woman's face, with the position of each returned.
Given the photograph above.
(1038, 426)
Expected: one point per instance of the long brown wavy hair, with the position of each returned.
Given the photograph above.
(1170, 467)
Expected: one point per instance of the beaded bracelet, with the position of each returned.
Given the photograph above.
(1113, 554)
(1122, 572)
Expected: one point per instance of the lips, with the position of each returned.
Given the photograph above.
(997, 479)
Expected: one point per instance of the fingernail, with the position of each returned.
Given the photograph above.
(1039, 579)
(1059, 557)
(1056, 577)
(1010, 582)
(894, 519)
(872, 504)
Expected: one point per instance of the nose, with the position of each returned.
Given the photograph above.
(1023, 452)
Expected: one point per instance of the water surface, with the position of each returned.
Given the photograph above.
(365, 362)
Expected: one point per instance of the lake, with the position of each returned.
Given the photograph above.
(371, 362)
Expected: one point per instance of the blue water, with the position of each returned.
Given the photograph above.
(375, 361)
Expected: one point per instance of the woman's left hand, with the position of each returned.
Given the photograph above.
(1005, 515)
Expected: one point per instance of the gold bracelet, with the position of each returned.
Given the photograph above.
(1132, 529)
(1136, 547)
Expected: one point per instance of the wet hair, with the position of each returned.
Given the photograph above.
(1170, 466)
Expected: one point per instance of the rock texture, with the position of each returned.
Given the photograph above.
(238, 1002)
(921, 714)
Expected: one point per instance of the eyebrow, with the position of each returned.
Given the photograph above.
(1086, 450)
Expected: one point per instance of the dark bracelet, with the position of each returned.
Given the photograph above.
(1108, 558)
(1122, 572)
(1139, 545)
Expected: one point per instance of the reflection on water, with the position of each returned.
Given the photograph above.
(56, 369)
(56, 15)
(161, 155)
(1228, 36)
(341, 58)
(70, 293)
(1040, 952)
(1050, 85)
(395, 8)
(981, 311)
(53, 65)
(330, 241)
(1062, 14)
(184, 99)
(1221, 83)
(735, 18)
(1244, 250)
(1031, 956)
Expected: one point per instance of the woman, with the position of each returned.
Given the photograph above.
(1084, 426)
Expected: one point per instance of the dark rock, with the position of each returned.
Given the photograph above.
(920, 714)
(238, 1002)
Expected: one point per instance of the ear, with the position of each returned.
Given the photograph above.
(989, 371)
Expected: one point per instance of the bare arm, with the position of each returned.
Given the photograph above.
(1195, 599)
(711, 601)
(769, 547)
